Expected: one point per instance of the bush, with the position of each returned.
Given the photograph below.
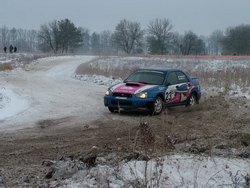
(5, 66)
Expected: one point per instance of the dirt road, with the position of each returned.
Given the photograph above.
(66, 117)
(52, 93)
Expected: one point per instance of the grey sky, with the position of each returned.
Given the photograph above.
(201, 16)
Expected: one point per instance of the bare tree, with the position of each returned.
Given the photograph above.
(237, 40)
(59, 35)
(85, 35)
(175, 44)
(105, 41)
(4, 36)
(13, 35)
(24, 40)
(188, 43)
(21, 40)
(127, 35)
(95, 43)
(192, 45)
(32, 39)
(214, 43)
(159, 36)
(49, 36)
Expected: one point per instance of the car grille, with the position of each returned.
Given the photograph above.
(121, 103)
(122, 95)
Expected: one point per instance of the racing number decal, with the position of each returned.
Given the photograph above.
(178, 93)
(169, 95)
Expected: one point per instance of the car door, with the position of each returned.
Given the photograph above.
(178, 88)
(172, 82)
(183, 88)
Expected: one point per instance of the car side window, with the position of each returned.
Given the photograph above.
(182, 78)
(172, 78)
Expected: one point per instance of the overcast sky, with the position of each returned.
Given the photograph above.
(201, 16)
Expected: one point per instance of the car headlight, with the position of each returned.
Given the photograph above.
(142, 95)
(108, 92)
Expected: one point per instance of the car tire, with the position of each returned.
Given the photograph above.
(112, 109)
(192, 101)
(157, 106)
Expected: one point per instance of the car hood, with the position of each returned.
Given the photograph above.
(131, 87)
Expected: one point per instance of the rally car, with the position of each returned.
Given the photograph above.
(154, 89)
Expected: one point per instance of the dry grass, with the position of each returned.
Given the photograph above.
(18, 60)
(227, 73)
(94, 67)
(227, 79)
(5, 66)
(116, 72)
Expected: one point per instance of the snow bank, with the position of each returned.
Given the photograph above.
(99, 79)
(10, 103)
(170, 171)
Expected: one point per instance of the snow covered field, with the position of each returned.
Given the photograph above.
(48, 86)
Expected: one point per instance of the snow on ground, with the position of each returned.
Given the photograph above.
(34, 93)
(10, 103)
(186, 171)
(171, 171)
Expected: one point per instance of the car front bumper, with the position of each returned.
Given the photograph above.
(126, 103)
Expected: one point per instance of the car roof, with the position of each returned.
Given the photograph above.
(161, 69)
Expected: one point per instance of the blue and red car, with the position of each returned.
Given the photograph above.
(154, 89)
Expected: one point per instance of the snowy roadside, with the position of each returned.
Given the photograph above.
(10, 103)
(170, 171)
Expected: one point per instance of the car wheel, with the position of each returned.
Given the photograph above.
(112, 109)
(158, 106)
(192, 100)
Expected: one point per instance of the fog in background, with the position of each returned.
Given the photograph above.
(201, 16)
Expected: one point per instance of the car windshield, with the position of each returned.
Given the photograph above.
(151, 77)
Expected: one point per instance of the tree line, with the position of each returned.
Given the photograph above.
(127, 38)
